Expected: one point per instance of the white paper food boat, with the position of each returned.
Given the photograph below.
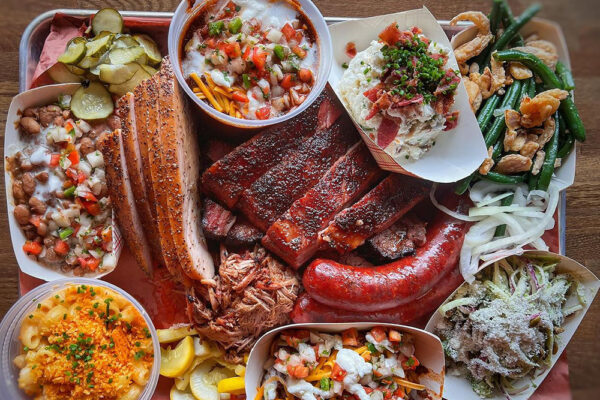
(37, 97)
(459, 388)
(457, 152)
(428, 350)
(550, 31)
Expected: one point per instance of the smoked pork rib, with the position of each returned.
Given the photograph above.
(294, 236)
(274, 192)
(180, 158)
(230, 176)
(122, 200)
(376, 211)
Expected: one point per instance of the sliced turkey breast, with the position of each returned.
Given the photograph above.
(122, 198)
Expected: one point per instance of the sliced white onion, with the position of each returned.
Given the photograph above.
(492, 210)
(448, 211)
(492, 200)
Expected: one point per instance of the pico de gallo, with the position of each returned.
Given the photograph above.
(59, 190)
(251, 59)
(376, 364)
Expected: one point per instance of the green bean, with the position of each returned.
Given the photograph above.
(501, 178)
(487, 111)
(495, 16)
(507, 201)
(551, 150)
(511, 32)
(551, 81)
(507, 20)
(498, 147)
(492, 135)
(499, 125)
(528, 83)
(566, 148)
(565, 76)
(532, 89)
(532, 181)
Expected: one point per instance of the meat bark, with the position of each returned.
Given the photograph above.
(216, 220)
(227, 179)
(274, 192)
(294, 236)
(376, 211)
(243, 234)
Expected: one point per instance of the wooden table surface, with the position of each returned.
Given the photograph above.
(579, 20)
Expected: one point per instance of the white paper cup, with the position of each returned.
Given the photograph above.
(179, 25)
(457, 152)
(459, 388)
(428, 350)
(37, 97)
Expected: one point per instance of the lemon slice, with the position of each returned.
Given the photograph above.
(176, 394)
(233, 385)
(174, 362)
(174, 334)
(205, 378)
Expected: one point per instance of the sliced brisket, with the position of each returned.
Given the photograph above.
(216, 220)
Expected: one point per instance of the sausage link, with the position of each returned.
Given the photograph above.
(308, 310)
(394, 284)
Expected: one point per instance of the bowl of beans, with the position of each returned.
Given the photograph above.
(250, 64)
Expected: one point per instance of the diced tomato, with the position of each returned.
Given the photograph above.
(106, 235)
(75, 227)
(394, 336)
(299, 51)
(399, 393)
(89, 196)
(81, 177)
(378, 334)
(229, 10)
(368, 390)
(72, 174)
(298, 371)
(305, 75)
(61, 247)
(93, 208)
(211, 43)
(337, 374)
(410, 363)
(350, 337)
(69, 126)
(237, 396)
(233, 50)
(377, 373)
(35, 220)
(387, 393)
(32, 248)
(54, 160)
(246, 55)
(293, 337)
(259, 58)
(263, 113)
(391, 34)
(240, 96)
(299, 36)
(288, 81)
(366, 356)
(93, 263)
(288, 31)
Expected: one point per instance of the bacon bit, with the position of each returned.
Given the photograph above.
(386, 132)
(373, 93)
(451, 121)
(351, 49)
(391, 34)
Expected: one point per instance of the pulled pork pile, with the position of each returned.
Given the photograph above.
(252, 293)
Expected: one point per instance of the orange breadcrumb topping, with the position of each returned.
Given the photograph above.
(84, 342)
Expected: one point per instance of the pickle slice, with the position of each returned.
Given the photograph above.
(61, 74)
(116, 74)
(125, 56)
(98, 47)
(149, 47)
(74, 52)
(76, 70)
(149, 69)
(92, 102)
(122, 88)
(88, 62)
(125, 41)
(107, 19)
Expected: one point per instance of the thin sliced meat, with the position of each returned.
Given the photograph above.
(122, 200)
(274, 192)
(227, 179)
(243, 234)
(181, 162)
(129, 133)
(294, 236)
(160, 187)
(376, 211)
(216, 220)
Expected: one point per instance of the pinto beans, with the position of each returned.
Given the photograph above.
(114, 122)
(42, 177)
(30, 126)
(17, 191)
(22, 214)
(28, 183)
(86, 146)
(48, 113)
(37, 206)
(42, 229)
(31, 112)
